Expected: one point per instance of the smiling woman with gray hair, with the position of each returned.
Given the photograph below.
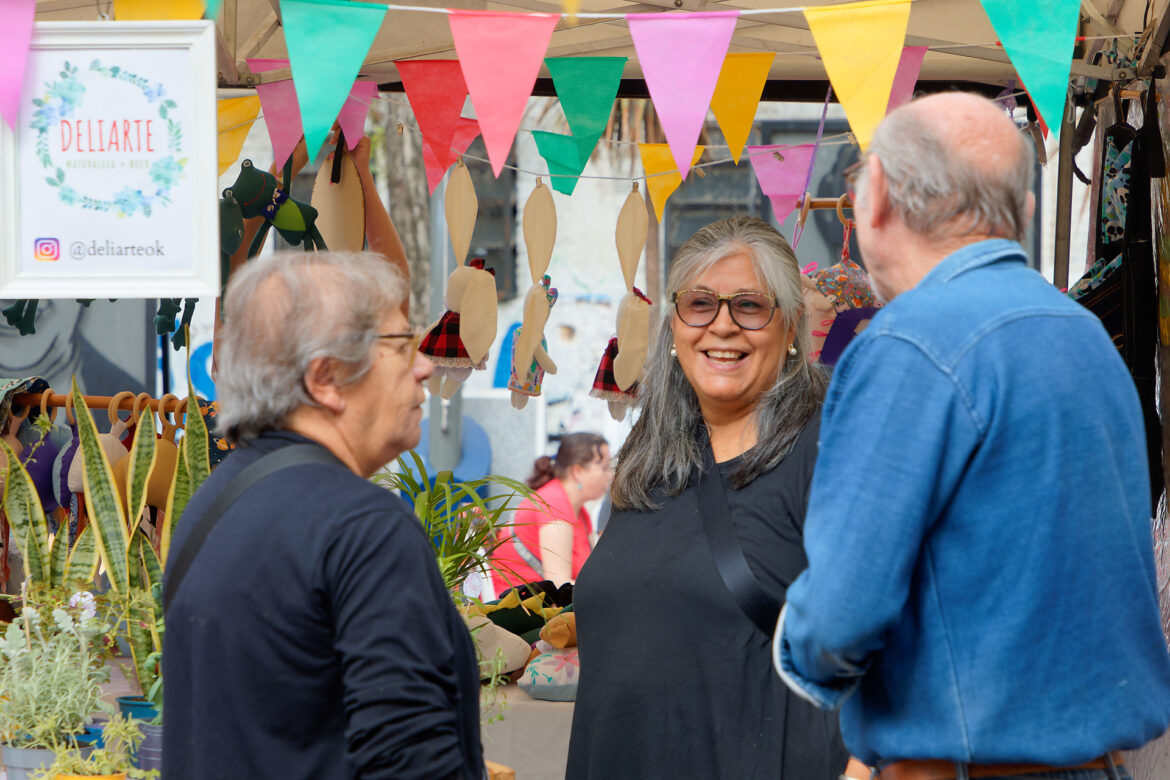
(705, 535)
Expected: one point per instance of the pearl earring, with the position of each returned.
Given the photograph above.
(792, 349)
(673, 351)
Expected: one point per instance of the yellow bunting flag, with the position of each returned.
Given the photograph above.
(737, 95)
(860, 44)
(234, 119)
(662, 176)
(146, 10)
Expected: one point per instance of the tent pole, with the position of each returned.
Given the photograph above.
(1064, 197)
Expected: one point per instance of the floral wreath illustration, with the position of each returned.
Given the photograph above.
(62, 98)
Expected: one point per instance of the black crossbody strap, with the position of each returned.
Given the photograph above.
(733, 567)
(285, 457)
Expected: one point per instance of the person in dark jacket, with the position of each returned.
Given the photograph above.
(312, 635)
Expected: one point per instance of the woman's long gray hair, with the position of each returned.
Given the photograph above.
(664, 449)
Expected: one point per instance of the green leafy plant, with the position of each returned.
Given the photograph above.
(120, 740)
(133, 565)
(52, 667)
(463, 527)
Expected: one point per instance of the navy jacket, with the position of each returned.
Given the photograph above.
(313, 637)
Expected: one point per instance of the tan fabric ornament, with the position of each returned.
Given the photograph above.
(529, 355)
(461, 339)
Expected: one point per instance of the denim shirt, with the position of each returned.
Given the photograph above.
(981, 582)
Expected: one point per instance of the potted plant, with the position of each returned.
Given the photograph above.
(52, 667)
(114, 760)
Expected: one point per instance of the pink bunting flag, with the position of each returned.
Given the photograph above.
(501, 54)
(282, 115)
(681, 56)
(906, 77)
(15, 36)
(437, 164)
(436, 92)
(352, 119)
(781, 172)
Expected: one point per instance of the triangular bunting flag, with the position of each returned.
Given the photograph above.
(500, 54)
(327, 43)
(781, 171)
(234, 118)
(1039, 38)
(147, 10)
(436, 92)
(352, 119)
(586, 87)
(737, 95)
(860, 45)
(465, 133)
(15, 34)
(662, 176)
(681, 55)
(282, 116)
(565, 159)
(213, 8)
(906, 77)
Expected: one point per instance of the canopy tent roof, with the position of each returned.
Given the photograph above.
(963, 43)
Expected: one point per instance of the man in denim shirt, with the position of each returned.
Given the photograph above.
(980, 599)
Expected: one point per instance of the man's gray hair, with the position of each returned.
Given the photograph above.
(282, 312)
(664, 448)
(934, 188)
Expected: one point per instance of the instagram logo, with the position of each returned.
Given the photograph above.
(47, 249)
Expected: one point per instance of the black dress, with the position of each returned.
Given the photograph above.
(675, 681)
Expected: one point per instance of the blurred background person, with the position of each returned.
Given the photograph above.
(549, 538)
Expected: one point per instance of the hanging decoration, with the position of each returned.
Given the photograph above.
(530, 358)
(15, 36)
(624, 359)
(662, 178)
(147, 10)
(500, 54)
(465, 132)
(681, 55)
(860, 45)
(906, 77)
(586, 88)
(327, 43)
(234, 118)
(1039, 38)
(436, 92)
(460, 340)
(781, 172)
(737, 96)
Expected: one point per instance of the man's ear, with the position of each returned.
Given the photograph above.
(1029, 207)
(324, 385)
(877, 195)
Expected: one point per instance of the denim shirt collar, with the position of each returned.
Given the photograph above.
(972, 256)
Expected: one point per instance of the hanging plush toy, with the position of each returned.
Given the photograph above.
(530, 359)
(527, 382)
(839, 302)
(463, 336)
(625, 356)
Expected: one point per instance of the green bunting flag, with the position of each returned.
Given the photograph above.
(1039, 38)
(563, 156)
(327, 43)
(586, 88)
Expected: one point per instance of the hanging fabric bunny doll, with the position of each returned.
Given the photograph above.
(530, 358)
(625, 355)
(461, 339)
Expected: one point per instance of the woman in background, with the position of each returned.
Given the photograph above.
(676, 679)
(550, 536)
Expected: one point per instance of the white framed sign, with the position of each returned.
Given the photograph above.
(108, 186)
